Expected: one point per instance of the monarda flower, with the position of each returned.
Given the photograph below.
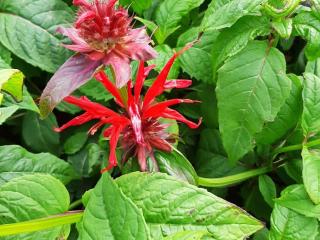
(137, 125)
(102, 35)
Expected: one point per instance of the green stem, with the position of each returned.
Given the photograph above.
(295, 147)
(289, 7)
(230, 180)
(75, 204)
(40, 224)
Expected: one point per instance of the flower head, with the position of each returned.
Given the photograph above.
(137, 126)
(104, 33)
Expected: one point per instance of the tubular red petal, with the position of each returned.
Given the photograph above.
(103, 78)
(173, 114)
(158, 86)
(92, 107)
(82, 3)
(116, 130)
(88, 15)
(177, 83)
(141, 153)
(79, 120)
(157, 109)
(139, 82)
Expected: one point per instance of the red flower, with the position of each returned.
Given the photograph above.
(102, 35)
(137, 126)
(104, 32)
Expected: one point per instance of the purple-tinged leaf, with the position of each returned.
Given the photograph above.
(75, 72)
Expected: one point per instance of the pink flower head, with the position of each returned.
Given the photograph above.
(137, 126)
(104, 33)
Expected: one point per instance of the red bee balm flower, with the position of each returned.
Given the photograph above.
(137, 127)
(103, 35)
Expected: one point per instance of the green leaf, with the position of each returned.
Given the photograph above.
(311, 173)
(294, 169)
(187, 235)
(169, 14)
(29, 31)
(197, 61)
(268, 189)
(283, 27)
(11, 82)
(32, 197)
(16, 161)
(39, 134)
(170, 206)
(86, 161)
(6, 112)
(314, 67)
(289, 225)
(307, 25)
(96, 91)
(176, 165)
(311, 105)
(111, 215)
(249, 95)
(74, 143)
(232, 40)
(137, 5)
(296, 198)
(27, 102)
(287, 118)
(223, 14)
(164, 54)
(5, 58)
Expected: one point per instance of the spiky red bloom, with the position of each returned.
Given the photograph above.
(137, 126)
(104, 33)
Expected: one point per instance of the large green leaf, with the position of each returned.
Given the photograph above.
(27, 28)
(252, 86)
(287, 118)
(232, 40)
(109, 214)
(5, 57)
(197, 61)
(296, 198)
(170, 206)
(95, 91)
(75, 142)
(311, 173)
(311, 105)
(169, 14)
(289, 225)
(307, 25)
(187, 235)
(222, 14)
(15, 161)
(39, 134)
(32, 197)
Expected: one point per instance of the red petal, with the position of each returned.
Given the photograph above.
(79, 120)
(141, 152)
(92, 107)
(139, 82)
(82, 3)
(157, 109)
(116, 130)
(158, 86)
(177, 83)
(148, 69)
(88, 15)
(102, 77)
(173, 114)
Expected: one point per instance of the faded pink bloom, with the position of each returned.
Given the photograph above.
(102, 35)
(104, 32)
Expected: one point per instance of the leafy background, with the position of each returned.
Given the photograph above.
(256, 71)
